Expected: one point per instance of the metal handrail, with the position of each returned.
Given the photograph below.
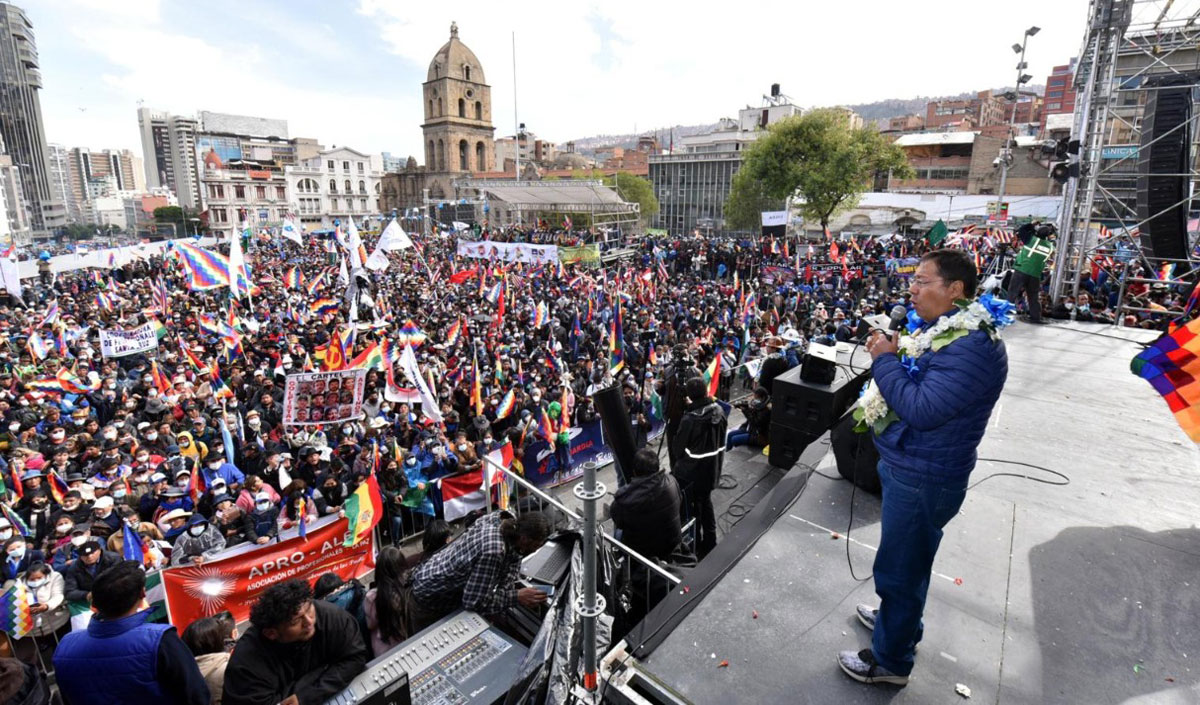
(603, 534)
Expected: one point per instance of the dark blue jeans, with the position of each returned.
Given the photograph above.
(915, 508)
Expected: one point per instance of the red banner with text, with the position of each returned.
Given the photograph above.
(234, 581)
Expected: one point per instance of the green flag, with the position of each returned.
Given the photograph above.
(937, 233)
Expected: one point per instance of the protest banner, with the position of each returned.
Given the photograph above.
(311, 398)
(233, 580)
(507, 251)
(580, 254)
(541, 464)
(119, 343)
(772, 273)
(902, 267)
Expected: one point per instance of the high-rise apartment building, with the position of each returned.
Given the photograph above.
(21, 119)
(169, 149)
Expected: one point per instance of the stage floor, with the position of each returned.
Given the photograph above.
(1071, 594)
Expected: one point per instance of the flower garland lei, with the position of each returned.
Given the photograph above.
(986, 313)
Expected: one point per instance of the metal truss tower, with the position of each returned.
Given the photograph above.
(1127, 45)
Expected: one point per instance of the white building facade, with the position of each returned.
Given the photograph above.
(337, 184)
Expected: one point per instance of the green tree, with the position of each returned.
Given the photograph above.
(819, 158)
(169, 214)
(635, 189)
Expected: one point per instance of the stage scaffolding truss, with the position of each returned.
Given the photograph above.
(1129, 48)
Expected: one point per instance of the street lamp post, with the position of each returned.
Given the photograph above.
(1022, 78)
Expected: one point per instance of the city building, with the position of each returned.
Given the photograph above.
(693, 182)
(16, 215)
(903, 124)
(91, 175)
(21, 125)
(169, 151)
(392, 162)
(59, 170)
(968, 163)
(527, 146)
(966, 113)
(338, 183)
(241, 190)
(1060, 92)
(140, 207)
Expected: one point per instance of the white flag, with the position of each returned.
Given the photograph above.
(237, 263)
(429, 405)
(378, 261)
(10, 275)
(394, 238)
(343, 273)
(353, 243)
(291, 230)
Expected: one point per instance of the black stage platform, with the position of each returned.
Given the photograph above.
(1082, 593)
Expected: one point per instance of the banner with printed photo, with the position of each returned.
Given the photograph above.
(233, 580)
(311, 398)
(118, 343)
(902, 267)
(508, 251)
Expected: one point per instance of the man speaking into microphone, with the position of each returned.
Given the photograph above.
(939, 398)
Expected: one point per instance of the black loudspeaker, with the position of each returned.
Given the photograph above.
(1162, 182)
(618, 431)
(801, 411)
(857, 458)
(819, 365)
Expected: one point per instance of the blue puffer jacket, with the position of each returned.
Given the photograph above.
(944, 410)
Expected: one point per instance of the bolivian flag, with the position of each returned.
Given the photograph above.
(363, 510)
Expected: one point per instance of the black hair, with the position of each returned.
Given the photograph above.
(325, 585)
(696, 389)
(530, 525)
(645, 463)
(390, 603)
(955, 266)
(118, 589)
(280, 603)
(436, 536)
(207, 635)
(37, 567)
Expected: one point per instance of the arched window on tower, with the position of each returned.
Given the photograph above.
(429, 156)
(478, 110)
(480, 160)
(462, 108)
(430, 113)
(463, 160)
(441, 160)
(439, 112)
(466, 72)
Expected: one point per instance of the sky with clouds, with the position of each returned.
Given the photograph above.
(349, 72)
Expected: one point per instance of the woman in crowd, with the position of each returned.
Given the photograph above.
(211, 640)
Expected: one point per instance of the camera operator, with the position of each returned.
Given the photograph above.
(683, 368)
(1038, 239)
(695, 454)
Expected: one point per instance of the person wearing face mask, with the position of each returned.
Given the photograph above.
(17, 558)
(234, 524)
(61, 535)
(36, 511)
(47, 602)
(264, 516)
(148, 502)
(329, 495)
(200, 542)
(56, 438)
(154, 442)
(73, 507)
(105, 519)
(216, 466)
(464, 451)
(190, 448)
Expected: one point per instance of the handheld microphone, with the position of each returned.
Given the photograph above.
(899, 318)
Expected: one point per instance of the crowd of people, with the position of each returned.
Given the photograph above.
(185, 446)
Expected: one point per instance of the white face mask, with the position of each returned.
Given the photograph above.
(78, 540)
(183, 482)
(143, 459)
(5, 534)
(214, 466)
(254, 423)
(462, 447)
(103, 513)
(65, 529)
(58, 435)
(263, 505)
(14, 427)
(196, 530)
(111, 435)
(16, 554)
(36, 583)
(152, 436)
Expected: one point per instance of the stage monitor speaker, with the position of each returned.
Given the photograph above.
(618, 431)
(1162, 167)
(811, 407)
(857, 458)
(786, 445)
(819, 365)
